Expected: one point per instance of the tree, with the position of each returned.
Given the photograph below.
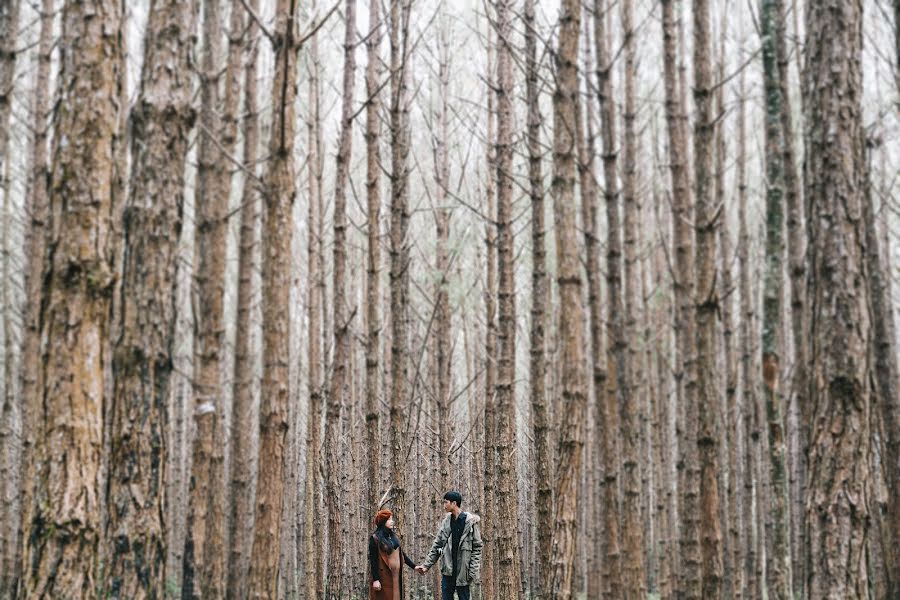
(608, 382)
(278, 196)
(205, 555)
(342, 317)
(779, 563)
(571, 310)
(632, 532)
(706, 220)
(64, 527)
(539, 297)
(507, 546)
(840, 392)
(241, 476)
(373, 272)
(9, 413)
(142, 360)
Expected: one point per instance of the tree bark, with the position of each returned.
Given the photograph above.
(609, 381)
(540, 292)
(10, 414)
(840, 394)
(508, 574)
(279, 197)
(632, 413)
(706, 221)
(64, 530)
(142, 361)
(316, 316)
(340, 378)
(243, 418)
(373, 273)
(571, 315)
(779, 562)
(205, 554)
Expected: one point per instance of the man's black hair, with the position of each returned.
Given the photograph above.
(454, 496)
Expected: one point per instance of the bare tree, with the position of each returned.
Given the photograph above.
(278, 195)
(840, 392)
(205, 555)
(241, 476)
(9, 411)
(340, 378)
(608, 382)
(142, 361)
(508, 576)
(64, 527)
(571, 315)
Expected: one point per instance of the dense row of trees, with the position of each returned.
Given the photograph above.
(218, 361)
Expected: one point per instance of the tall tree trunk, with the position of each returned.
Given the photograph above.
(571, 315)
(489, 437)
(684, 363)
(340, 378)
(442, 318)
(64, 530)
(508, 574)
(279, 197)
(797, 433)
(9, 408)
(779, 562)
(205, 555)
(243, 418)
(539, 301)
(840, 394)
(632, 417)
(607, 381)
(887, 382)
(731, 416)
(142, 360)
(373, 273)
(316, 316)
(399, 281)
(706, 221)
(750, 583)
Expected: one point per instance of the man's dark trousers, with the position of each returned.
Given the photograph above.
(448, 586)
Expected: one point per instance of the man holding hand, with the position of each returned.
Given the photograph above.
(461, 562)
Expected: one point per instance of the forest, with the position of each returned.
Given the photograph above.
(620, 273)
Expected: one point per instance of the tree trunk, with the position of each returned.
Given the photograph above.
(9, 408)
(205, 554)
(779, 562)
(706, 220)
(65, 522)
(539, 301)
(373, 273)
(632, 413)
(142, 361)
(316, 316)
(399, 281)
(508, 575)
(887, 382)
(837, 515)
(243, 418)
(279, 197)
(340, 378)
(571, 315)
(608, 382)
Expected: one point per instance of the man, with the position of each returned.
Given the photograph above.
(461, 565)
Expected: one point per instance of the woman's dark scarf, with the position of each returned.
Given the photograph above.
(387, 541)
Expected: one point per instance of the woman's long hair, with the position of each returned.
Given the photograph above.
(386, 539)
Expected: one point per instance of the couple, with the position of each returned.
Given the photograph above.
(457, 544)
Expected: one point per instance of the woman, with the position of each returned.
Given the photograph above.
(385, 557)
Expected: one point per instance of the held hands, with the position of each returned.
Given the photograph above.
(421, 570)
(376, 585)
